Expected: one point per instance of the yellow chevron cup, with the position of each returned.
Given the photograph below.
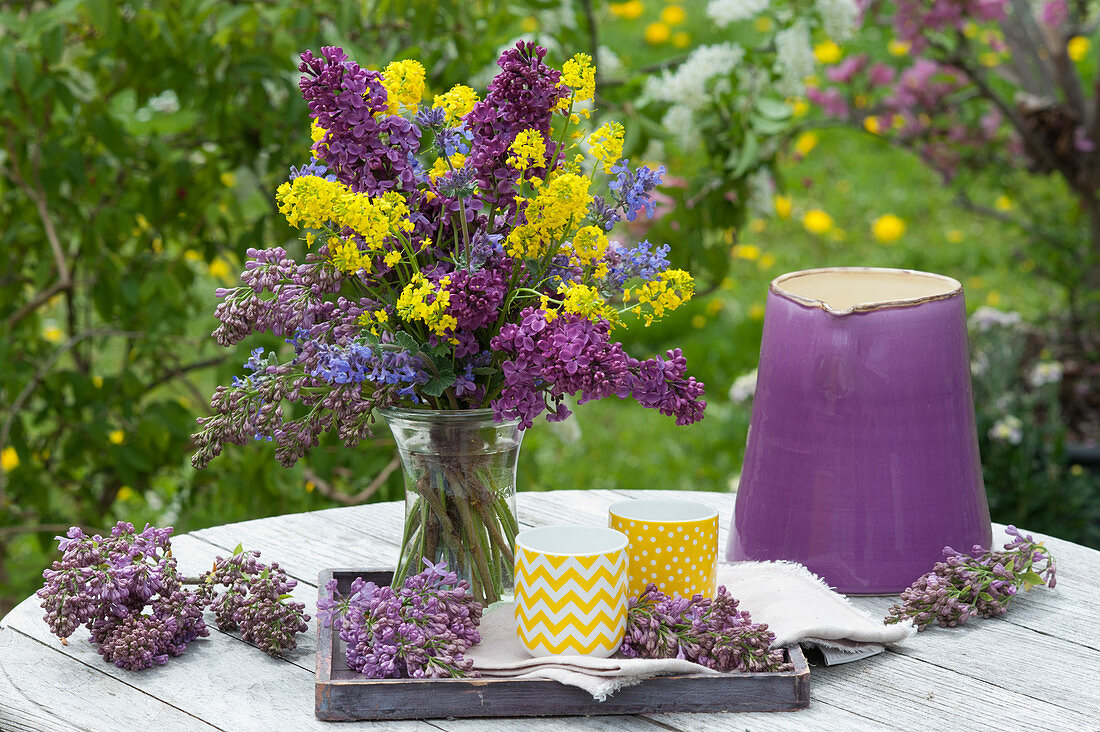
(673, 544)
(571, 590)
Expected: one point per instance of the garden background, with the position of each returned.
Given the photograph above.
(142, 143)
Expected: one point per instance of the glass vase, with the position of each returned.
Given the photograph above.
(460, 495)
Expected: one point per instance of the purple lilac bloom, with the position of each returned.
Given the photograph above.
(522, 96)
(713, 633)
(365, 147)
(633, 188)
(572, 355)
(979, 585)
(419, 630)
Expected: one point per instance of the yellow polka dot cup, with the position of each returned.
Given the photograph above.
(672, 544)
(571, 590)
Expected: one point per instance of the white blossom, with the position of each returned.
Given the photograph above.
(724, 12)
(794, 58)
(761, 187)
(986, 319)
(611, 66)
(687, 84)
(1007, 429)
(680, 121)
(1045, 372)
(840, 18)
(744, 387)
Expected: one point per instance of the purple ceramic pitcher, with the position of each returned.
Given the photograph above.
(862, 455)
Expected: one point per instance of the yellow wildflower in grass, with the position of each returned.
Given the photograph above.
(52, 333)
(747, 252)
(420, 301)
(606, 144)
(1076, 470)
(872, 125)
(97, 382)
(698, 321)
(727, 283)
(657, 33)
(579, 75)
(827, 52)
(440, 167)
(799, 106)
(9, 459)
(955, 236)
(805, 143)
(529, 24)
(404, 84)
(898, 48)
(766, 262)
(673, 15)
(681, 39)
(1027, 265)
(993, 298)
(589, 245)
(757, 226)
(456, 103)
(562, 201)
(888, 228)
(783, 207)
(587, 302)
(1004, 203)
(756, 312)
(219, 268)
(763, 24)
(228, 179)
(528, 150)
(975, 283)
(817, 221)
(117, 437)
(714, 306)
(1077, 48)
(672, 289)
(989, 59)
(628, 10)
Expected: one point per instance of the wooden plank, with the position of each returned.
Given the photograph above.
(43, 689)
(557, 724)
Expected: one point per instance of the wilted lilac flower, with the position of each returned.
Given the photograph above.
(713, 633)
(982, 585)
(420, 630)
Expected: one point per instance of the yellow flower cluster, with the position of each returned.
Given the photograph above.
(374, 318)
(584, 300)
(420, 301)
(314, 202)
(404, 84)
(579, 75)
(589, 245)
(316, 133)
(456, 103)
(606, 144)
(671, 290)
(440, 167)
(562, 201)
(528, 150)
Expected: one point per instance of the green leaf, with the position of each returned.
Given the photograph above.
(238, 550)
(406, 341)
(285, 596)
(748, 155)
(1031, 579)
(773, 108)
(439, 384)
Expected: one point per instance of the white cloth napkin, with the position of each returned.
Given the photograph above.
(796, 605)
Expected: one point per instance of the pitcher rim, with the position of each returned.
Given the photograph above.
(956, 289)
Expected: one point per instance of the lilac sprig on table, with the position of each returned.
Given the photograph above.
(710, 632)
(139, 611)
(420, 630)
(979, 585)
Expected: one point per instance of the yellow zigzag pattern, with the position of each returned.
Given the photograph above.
(571, 598)
(607, 620)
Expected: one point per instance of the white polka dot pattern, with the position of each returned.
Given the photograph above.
(680, 557)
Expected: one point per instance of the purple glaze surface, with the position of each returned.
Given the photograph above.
(862, 456)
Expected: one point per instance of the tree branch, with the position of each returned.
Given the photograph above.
(325, 489)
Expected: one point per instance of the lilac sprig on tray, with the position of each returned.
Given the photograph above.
(126, 590)
(712, 633)
(979, 585)
(420, 630)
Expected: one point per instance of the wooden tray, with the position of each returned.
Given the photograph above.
(344, 694)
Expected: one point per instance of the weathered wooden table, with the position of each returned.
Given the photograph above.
(1036, 668)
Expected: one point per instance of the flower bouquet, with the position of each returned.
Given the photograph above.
(455, 262)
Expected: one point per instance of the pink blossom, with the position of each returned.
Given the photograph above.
(1081, 141)
(843, 72)
(831, 101)
(1055, 13)
(881, 75)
